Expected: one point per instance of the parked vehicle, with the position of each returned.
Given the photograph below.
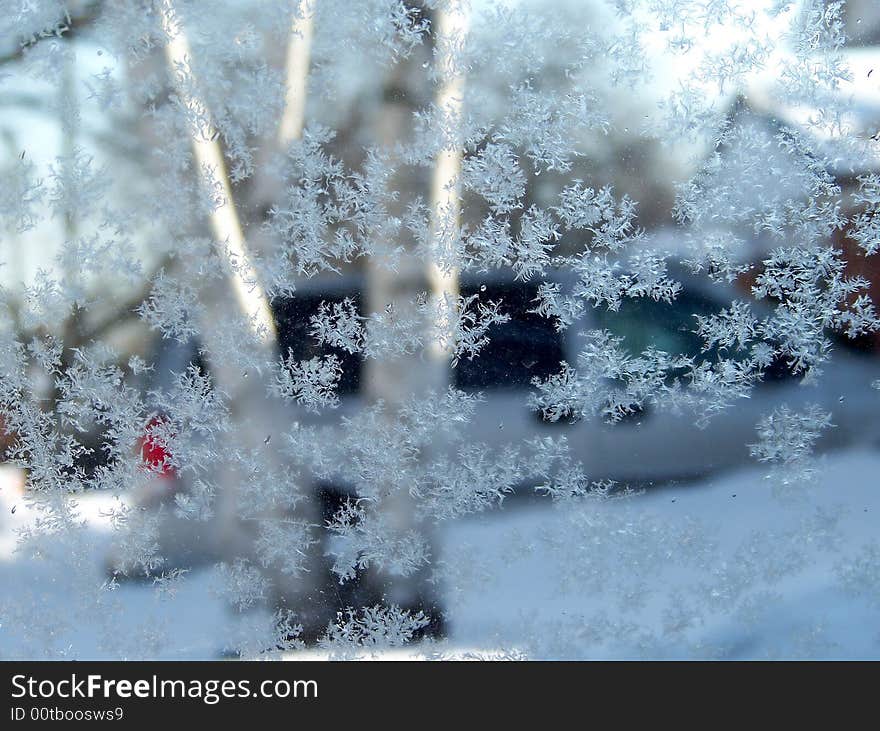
(653, 445)
(649, 447)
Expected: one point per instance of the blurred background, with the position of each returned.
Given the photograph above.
(89, 91)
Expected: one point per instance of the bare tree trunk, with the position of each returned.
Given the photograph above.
(451, 24)
(297, 76)
(258, 416)
(394, 381)
(297, 62)
(225, 224)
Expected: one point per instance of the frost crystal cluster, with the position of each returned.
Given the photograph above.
(293, 293)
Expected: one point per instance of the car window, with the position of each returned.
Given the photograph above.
(644, 323)
(525, 347)
(293, 319)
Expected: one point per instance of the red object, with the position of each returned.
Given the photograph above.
(154, 450)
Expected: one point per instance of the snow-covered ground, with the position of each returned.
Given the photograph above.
(726, 568)
(599, 580)
(49, 608)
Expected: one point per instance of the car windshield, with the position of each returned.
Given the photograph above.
(670, 327)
